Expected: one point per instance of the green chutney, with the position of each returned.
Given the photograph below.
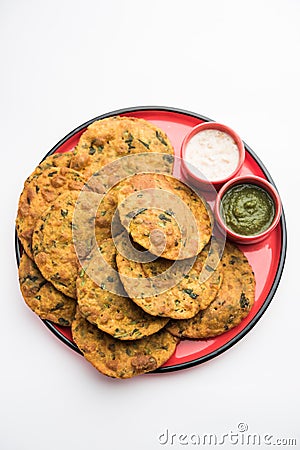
(247, 209)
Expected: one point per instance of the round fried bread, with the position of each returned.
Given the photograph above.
(53, 246)
(39, 191)
(231, 305)
(42, 297)
(193, 291)
(164, 216)
(109, 139)
(122, 359)
(115, 314)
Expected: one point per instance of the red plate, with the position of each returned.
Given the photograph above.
(266, 258)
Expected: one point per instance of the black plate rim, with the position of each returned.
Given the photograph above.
(280, 267)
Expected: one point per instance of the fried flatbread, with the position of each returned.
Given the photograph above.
(53, 245)
(42, 297)
(122, 359)
(108, 139)
(193, 289)
(38, 193)
(164, 216)
(231, 305)
(113, 313)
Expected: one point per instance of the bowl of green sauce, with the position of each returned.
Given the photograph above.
(248, 208)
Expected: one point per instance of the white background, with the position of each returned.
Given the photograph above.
(64, 62)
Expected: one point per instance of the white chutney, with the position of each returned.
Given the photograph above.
(212, 152)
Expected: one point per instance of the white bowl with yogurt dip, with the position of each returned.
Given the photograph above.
(212, 154)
